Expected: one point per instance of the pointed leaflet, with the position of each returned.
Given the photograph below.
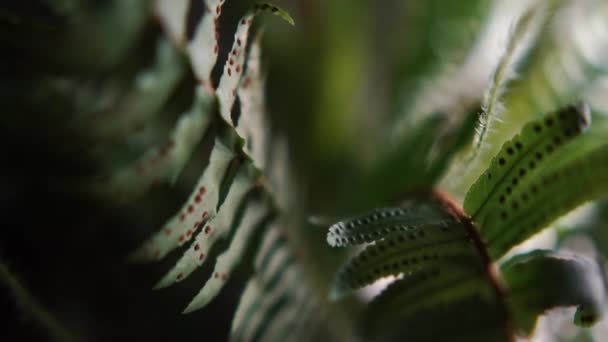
(172, 14)
(577, 173)
(216, 228)
(150, 92)
(270, 249)
(408, 254)
(253, 124)
(565, 61)
(542, 280)
(502, 74)
(230, 259)
(298, 308)
(521, 156)
(229, 81)
(198, 208)
(387, 222)
(204, 47)
(271, 289)
(166, 162)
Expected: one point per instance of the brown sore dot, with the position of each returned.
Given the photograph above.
(197, 199)
(190, 208)
(197, 247)
(201, 257)
(207, 229)
(182, 217)
(180, 276)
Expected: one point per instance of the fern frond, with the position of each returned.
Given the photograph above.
(406, 308)
(200, 206)
(558, 69)
(216, 228)
(164, 163)
(419, 238)
(277, 303)
(549, 194)
(491, 106)
(388, 222)
(523, 154)
(253, 220)
(542, 280)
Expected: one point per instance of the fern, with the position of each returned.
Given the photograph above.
(514, 159)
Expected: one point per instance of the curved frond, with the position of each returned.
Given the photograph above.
(542, 280)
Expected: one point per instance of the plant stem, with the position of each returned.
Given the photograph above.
(28, 304)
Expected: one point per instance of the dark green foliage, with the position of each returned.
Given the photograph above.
(542, 280)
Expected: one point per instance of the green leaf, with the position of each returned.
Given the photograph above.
(543, 280)
(227, 261)
(234, 67)
(432, 247)
(203, 49)
(560, 67)
(277, 302)
(413, 217)
(164, 163)
(200, 206)
(253, 124)
(150, 91)
(580, 176)
(437, 307)
(216, 228)
(519, 158)
(491, 106)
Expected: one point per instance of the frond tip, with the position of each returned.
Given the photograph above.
(541, 280)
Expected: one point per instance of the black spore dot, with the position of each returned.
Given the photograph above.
(502, 161)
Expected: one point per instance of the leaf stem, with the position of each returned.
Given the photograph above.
(29, 304)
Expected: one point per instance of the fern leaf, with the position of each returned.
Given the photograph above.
(577, 175)
(150, 91)
(253, 124)
(216, 228)
(557, 71)
(268, 306)
(389, 318)
(542, 280)
(521, 156)
(421, 236)
(200, 206)
(233, 69)
(228, 260)
(429, 247)
(203, 49)
(414, 217)
(503, 73)
(173, 14)
(165, 163)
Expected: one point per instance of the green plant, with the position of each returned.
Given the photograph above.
(461, 176)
